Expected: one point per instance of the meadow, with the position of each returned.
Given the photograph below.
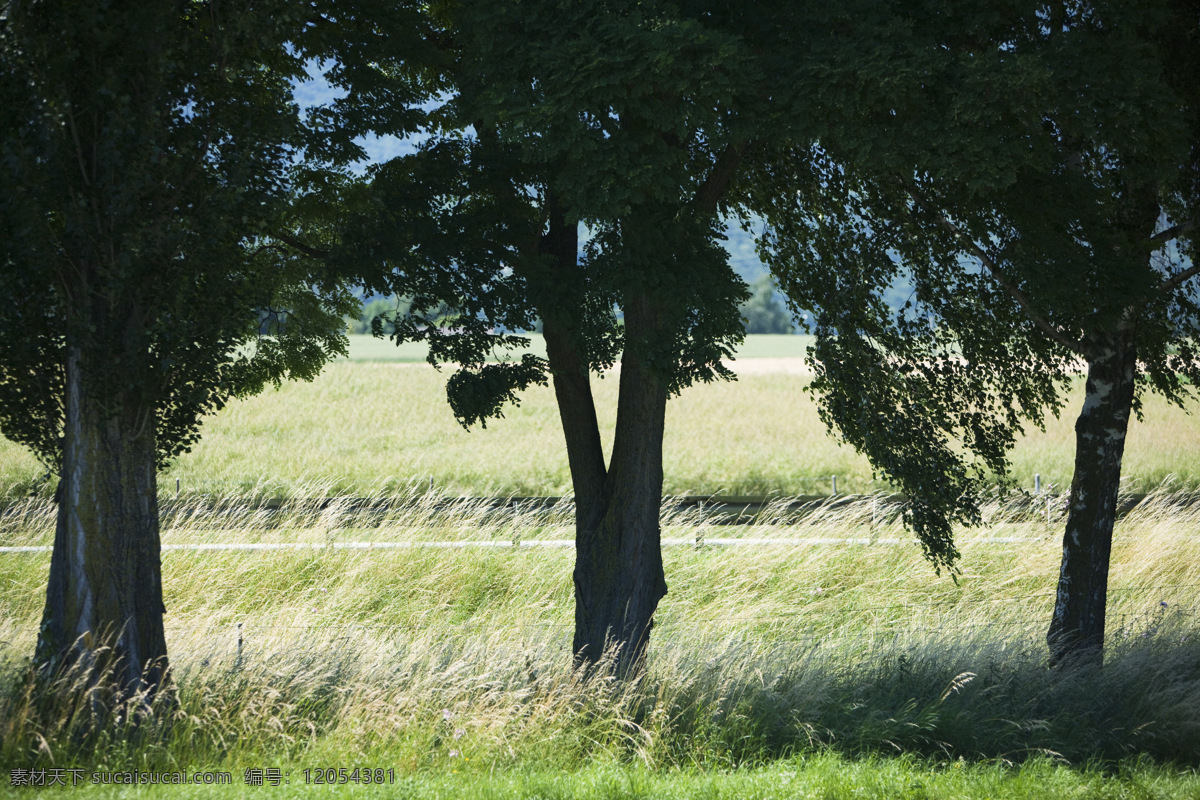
(815, 657)
(800, 668)
(370, 426)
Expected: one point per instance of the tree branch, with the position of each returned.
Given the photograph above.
(709, 195)
(994, 270)
(1176, 280)
(1173, 232)
(296, 244)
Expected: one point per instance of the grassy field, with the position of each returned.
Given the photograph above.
(366, 428)
(810, 777)
(368, 348)
(790, 670)
(779, 662)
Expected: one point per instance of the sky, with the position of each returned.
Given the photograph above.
(317, 91)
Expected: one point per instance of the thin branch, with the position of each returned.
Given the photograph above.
(272, 247)
(296, 244)
(83, 172)
(997, 275)
(1175, 281)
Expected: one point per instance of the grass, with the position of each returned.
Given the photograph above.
(793, 670)
(366, 428)
(770, 661)
(823, 776)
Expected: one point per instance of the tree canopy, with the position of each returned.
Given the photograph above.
(146, 165)
(1033, 174)
(146, 155)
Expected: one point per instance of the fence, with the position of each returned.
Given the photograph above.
(708, 510)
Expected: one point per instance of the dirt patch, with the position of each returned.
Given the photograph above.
(770, 366)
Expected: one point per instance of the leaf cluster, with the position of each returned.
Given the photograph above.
(1029, 174)
(146, 154)
(624, 120)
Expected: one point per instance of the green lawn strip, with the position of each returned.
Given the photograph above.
(764, 345)
(823, 776)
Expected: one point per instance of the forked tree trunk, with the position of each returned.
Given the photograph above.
(1076, 632)
(618, 559)
(104, 607)
(618, 556)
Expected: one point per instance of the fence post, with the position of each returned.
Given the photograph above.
(239, 626)
(1037, 483)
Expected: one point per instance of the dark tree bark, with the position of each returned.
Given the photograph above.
(104, 608)
(1076, 632)
(571, 373)
(618, 572)
(618, 558)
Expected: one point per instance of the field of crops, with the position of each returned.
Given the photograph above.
(815, 656)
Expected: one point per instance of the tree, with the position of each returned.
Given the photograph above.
(1035, 175)
(145, 153)
(631, 119)
(764, 312)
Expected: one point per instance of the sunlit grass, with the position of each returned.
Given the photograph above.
(366, 427)
(774, 670)
(421, 659)
(368, 348)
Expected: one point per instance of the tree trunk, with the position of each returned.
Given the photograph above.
(1076, 632)
(618, 559)
(104, 607)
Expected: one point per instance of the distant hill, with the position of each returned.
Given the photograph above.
(745, 261)
(743, 257)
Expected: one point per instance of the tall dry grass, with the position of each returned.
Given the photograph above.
(430, 656)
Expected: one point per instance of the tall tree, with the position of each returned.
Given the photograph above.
(145, 151)
(1033, 171)
(629, 120)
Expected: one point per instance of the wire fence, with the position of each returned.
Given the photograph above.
(201, 512)
(517, 543)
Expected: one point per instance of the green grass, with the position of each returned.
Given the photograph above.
(821, 776)
(430, 660)
(385, 428)
(797, 670)
(368, 348)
